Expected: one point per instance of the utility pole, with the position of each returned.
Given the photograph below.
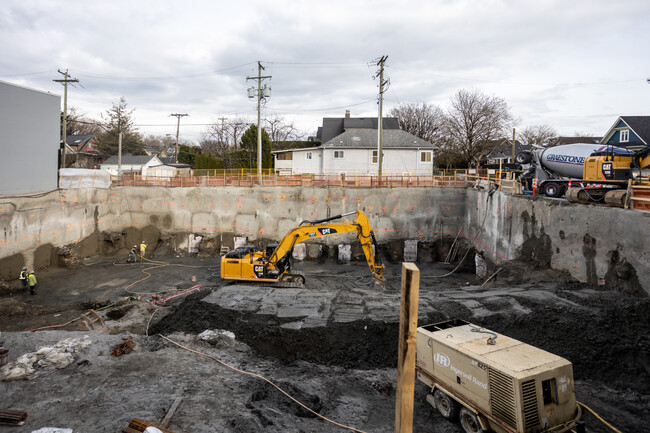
(178, 129)
(513, 145)
(260, 96)
(380, 134)
(64, 124)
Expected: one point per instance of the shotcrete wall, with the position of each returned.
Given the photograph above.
(35, 228)
(595, 244)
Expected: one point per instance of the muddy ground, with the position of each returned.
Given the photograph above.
(331, 345)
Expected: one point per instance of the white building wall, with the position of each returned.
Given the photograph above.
(359, 161)
(355, 161)
(30, 129)
(282, 166)
(303, 164)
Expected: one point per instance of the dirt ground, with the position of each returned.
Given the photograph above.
(331, 345)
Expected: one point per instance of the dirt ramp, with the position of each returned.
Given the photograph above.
(360, 344)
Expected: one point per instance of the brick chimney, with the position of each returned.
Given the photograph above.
(347, 114)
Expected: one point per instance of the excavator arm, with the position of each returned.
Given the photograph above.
(316, 229)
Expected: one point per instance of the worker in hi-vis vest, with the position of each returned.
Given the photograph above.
(31, 277)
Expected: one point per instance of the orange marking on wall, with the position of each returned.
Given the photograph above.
(54, 232)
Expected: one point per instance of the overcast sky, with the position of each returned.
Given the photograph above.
(575, 65)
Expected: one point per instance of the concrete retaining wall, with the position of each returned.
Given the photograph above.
(34, 228)
(595, 244)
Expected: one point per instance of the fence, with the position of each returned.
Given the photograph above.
(640, 197)
(458, 180)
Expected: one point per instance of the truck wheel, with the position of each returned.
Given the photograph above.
(523, 158)
(447, 406)
(469, 422)
(553, 189)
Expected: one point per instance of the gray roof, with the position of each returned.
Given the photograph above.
(572, 140)
(367, 138)
(179, 165)
(168, 160)
(335, 126)
(78, 140)
(130, 159)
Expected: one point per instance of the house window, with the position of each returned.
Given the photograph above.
(374, 156)
(286, 156)
(308, 155)
(425, 156)
(338, 154)
(625, 136)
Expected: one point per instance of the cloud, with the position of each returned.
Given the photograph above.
(551, 61)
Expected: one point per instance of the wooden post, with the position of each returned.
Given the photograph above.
(408, 323)
(628, 194)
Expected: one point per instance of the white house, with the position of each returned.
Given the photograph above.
(355, 151)
(169, 170)
(131, 164)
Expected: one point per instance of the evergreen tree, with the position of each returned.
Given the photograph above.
(119, 118)
(249, 146)
(187, 154)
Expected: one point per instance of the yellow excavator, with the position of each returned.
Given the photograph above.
(273, 265)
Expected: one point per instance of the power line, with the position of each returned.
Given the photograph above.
(298, 110)
(162, 77)
(27, 73)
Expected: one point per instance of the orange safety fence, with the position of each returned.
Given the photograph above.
(301, 180)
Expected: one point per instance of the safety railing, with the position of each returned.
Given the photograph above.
(457, 180)
(504, 179)
(639, 197)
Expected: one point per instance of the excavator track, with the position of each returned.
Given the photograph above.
(277, 284)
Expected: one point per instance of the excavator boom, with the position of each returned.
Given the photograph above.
(256, 265)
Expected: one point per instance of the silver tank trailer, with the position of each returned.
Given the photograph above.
(568, 160)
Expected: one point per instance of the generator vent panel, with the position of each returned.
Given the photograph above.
(502, 397)
(531, 415)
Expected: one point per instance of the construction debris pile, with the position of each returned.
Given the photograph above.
(44, 360)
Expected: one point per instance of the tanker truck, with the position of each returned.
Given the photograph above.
(585, 172)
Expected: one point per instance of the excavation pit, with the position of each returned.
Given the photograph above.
(331, 344)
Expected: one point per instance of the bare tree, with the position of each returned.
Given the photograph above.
(80, 124)
(473, 123)
(236, 129)
(420, 119)
(280, 131)
(161, 143)
(539, 135)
